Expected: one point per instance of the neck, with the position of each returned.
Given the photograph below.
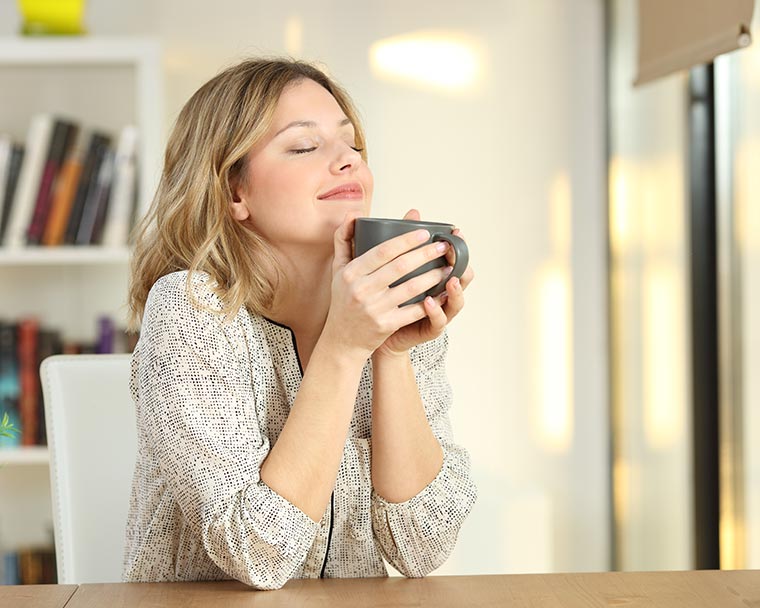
(303, 298)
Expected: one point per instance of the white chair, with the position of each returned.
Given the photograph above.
(91, 434)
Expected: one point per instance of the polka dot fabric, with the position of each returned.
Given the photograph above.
(211, 399)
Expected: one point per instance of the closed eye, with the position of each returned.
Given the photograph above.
(303, 150)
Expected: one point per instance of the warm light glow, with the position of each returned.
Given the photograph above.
(730, 554)
(561, 214)
(555, 373)
(663, 356)
(622, 482)
(429, 59)
(294, 36)
(621, 213)
(747, 220)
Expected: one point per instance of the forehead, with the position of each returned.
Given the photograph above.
(306, 100)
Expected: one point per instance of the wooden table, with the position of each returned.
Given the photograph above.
(702, 589)
(36, 596)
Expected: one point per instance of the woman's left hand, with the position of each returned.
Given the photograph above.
(440, 310)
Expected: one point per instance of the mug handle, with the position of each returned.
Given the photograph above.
(461, 257)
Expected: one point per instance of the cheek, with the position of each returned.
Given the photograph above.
(370, 181)
(276, 188)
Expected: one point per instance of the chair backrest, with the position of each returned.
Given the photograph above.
(90, 420)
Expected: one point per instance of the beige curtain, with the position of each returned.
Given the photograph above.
(678, 34)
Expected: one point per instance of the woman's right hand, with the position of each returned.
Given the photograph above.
(364, 310)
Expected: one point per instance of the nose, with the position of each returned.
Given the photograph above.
(346, 159)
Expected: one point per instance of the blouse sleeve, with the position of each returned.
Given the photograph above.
(196, 409)
(416, 536)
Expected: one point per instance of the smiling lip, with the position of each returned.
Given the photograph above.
(351, 191)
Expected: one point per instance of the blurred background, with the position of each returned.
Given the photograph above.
(582, 374)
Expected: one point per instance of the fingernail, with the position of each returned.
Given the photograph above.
(429, 301)
(447, 271)
(442, 246)
(422, 235)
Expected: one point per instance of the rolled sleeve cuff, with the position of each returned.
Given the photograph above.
(274, 533)
(419, 534)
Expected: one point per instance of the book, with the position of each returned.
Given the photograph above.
(25, 196)
(104, 343)
(48, 344)
(86, 189)
(28, 332)
(96, 205)
(64, 193)
(124, 191)
(36, 566)
(12, 173)
(9, 381)
(10, 574)
(6, 146)
(61, 140)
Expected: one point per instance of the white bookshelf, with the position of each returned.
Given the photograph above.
(22, 457)
(103, 83)
(141, 56)
(63, 256)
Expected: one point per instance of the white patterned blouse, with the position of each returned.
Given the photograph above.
(211, 400)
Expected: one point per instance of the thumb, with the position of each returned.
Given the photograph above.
(412, 214)
(342, 241)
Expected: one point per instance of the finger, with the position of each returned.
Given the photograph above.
(389, 250)
(415, 286)
(406, 315)
(408, 262)
(342, 241)
(436, 314)
(451, 256)
(412, 214)
(467, 276)
(455, 300)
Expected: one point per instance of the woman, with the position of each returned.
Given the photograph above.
(292, 418)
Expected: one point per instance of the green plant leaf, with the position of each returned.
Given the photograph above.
(6, 427)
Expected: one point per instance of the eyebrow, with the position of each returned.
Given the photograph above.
(309, 124)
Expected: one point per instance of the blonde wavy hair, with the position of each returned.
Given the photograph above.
(189, 225)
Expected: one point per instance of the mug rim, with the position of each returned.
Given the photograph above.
(421, 223)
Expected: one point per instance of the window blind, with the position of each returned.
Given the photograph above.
(678, 34)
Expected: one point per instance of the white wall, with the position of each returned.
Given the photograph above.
(517, 161)
(649, 310)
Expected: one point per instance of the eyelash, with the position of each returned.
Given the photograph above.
(307, 150)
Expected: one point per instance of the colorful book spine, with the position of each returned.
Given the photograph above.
(28, 332)
(22, 208)
(97, 202)
(88, 183)
(63, 196)
(12, 174)
(121, 206)
(60, 145)
(9, 381)
(6, 145)
(106, 335)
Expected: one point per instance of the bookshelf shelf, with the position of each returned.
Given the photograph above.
(84, 50)
(27, 456)
(55, 256)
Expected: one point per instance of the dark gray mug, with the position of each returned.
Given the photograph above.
(371, 231)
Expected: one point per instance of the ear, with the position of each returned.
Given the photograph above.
(239, 210)
(238, 207)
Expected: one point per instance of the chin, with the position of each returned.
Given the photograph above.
(338, 209)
